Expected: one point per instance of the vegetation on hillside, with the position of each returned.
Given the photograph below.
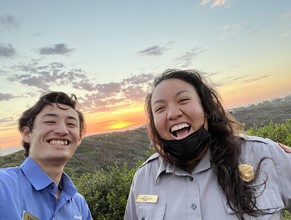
(261, 114)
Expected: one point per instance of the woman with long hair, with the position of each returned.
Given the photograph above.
(205, 166)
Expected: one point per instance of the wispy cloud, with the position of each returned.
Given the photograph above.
(256, 78)
(56, 49)
(248, 78)
(287, 15)
(5, 96)
(185, 60)
(44, 76)
(96, 96)
(112, 96)
(8, 23)
(286, 35)
(152, 51)
(213, 3)
(7, 51)
(230, 30)
(84, 84)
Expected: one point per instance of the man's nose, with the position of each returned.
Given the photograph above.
(61, 128)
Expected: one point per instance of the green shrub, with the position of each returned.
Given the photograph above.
(276, 132)
(106, 191)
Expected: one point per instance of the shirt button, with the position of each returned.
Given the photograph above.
(143, 218)
(193, 206)
(52, 187)
(191, 178)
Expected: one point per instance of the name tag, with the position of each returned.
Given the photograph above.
(28, 216)
(147, 198)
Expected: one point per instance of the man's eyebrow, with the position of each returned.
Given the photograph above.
(50, 115)
(55, 115)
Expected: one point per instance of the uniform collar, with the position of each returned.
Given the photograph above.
(165, 167)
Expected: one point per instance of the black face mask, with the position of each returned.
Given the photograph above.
(188, 148)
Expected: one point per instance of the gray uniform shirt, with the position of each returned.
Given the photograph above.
(159, 192)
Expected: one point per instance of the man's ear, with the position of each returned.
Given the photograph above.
(25, 132)
(80, 139)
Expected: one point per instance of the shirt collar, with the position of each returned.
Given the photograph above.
(40, 180)
(35, 175)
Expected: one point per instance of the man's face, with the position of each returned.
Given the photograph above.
(55, 135)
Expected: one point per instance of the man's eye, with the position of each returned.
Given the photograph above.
(72, 125)
(49, 122)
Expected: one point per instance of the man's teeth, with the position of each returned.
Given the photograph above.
(178, 127)
(58, 142)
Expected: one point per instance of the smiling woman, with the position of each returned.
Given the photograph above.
(203, 152)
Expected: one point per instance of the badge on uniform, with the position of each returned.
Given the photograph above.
(147, 198)
(27, 216)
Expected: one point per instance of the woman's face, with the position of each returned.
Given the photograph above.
(176, 109)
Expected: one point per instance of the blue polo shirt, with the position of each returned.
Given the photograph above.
(28, 188)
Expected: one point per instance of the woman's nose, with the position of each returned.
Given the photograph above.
(174, 112)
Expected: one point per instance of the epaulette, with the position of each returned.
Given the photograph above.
(253, 138)
(151, 158)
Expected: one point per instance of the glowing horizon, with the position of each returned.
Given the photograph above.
(99, 122)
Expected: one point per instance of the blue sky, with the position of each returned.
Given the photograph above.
(107, 52)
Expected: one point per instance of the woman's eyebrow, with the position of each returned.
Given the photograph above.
(178, 93)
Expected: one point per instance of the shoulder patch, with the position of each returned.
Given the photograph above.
(151, 158)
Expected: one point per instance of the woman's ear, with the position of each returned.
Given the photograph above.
(25, 133)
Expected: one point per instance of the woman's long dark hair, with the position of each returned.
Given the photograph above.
(225, 143)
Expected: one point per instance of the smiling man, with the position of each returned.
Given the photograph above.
(39, 189)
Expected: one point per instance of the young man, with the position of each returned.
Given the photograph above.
(39, 189)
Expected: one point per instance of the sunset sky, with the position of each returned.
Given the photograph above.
(107, 53)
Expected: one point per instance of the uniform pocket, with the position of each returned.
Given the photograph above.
(147, 211)
(269, 201)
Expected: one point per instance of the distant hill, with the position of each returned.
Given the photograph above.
(98, 151)
(277, 111)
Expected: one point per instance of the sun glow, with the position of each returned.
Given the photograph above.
(115, 120)
(118, 125)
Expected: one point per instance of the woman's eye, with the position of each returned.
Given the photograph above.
(183, 100)
(159, 109)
